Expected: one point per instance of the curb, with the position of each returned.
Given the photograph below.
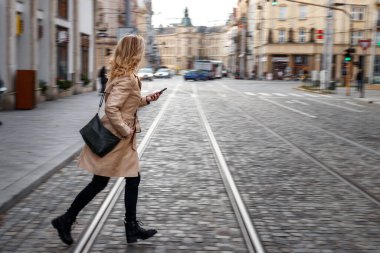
(365, 100)
(368, 100)
(314, 91)
(38, 176)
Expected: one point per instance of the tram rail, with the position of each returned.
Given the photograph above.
(251, 237)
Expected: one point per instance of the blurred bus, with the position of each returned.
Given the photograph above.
(214, 67)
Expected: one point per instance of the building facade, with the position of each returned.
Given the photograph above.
(290, 39)
(113, 21)
(180, 44)
(53, 39)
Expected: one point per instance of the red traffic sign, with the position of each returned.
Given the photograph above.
(364, 44)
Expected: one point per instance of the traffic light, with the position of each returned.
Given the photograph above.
(320, 34)
(347, 57)
(348, 54)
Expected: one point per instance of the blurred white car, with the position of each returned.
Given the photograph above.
(163, 73)
(145, 74)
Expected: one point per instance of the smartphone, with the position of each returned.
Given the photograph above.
(161, 91)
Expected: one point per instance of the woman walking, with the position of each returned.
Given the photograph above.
(123, 98)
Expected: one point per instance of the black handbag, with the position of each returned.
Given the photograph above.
(98, 138)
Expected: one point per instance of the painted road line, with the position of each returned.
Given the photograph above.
(311, 95)
(264, 94)
(353, 103)
(296, 95)
(249, 93)
(300, 102)
(280, 94)
(288, 108)
(338, 106)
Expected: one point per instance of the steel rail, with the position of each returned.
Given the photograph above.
(87, 239)
(250, 234)
(358, 188)
(354, 143)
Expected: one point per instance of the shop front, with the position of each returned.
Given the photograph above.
(279, 66)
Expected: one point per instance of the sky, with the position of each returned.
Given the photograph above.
(201, 12)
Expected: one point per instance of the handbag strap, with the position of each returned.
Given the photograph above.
(101, 101)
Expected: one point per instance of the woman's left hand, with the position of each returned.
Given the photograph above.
(153, 96)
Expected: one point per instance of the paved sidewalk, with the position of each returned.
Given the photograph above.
(371, 95)
(35, 143)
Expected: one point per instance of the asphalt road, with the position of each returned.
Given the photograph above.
(306, 167)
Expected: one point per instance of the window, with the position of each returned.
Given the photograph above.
(303, 11)
(302, 35)
(356, 36)
(301, 60)
(283, 10)
(62, 52)
(377, 65)
(63, 9)
(85, 54)
(358, 13)
(281, 36)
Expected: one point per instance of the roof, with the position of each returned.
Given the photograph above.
(186, 21)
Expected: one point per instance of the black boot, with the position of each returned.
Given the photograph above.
(63, 225)
(133, 231)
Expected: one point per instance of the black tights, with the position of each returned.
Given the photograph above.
(97, 184)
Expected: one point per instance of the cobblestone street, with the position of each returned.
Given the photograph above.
(309, 184)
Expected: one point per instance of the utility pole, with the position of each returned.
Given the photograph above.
(373, 49)
(127, 13)
(328, 46)
(243, 48)
(261, 20)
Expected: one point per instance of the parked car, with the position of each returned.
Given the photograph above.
(197, 75)
(163, 73)
(145, 74)
(208, 74)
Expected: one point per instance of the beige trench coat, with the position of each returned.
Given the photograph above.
(122, 99)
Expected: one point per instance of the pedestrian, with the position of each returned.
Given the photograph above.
(253, 76)
(359, 80)
(122, 100)
(103, 78)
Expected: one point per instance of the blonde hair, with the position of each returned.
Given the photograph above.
(127, 56)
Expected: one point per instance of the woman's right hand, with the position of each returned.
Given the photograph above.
(131, 132)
